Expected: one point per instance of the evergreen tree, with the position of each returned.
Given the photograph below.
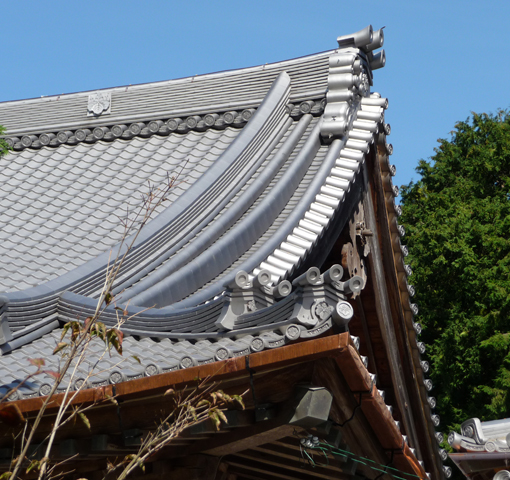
(4, 147)
(457, 219)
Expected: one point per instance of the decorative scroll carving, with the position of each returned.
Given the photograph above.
(249, 295)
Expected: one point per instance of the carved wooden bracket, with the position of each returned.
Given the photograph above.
(354, 252)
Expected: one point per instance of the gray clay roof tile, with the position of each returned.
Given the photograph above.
(241, 191)
(126, 166)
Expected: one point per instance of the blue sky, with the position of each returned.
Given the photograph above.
(445, 58)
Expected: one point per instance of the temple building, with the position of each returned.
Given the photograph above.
(275, 265)
(482, 449)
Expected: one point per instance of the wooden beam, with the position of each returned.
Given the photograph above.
(422, 433)
(242, 464)
(284, 452)
(372, 363)
(297, 464)
(384, 313)
(245, 474)
(245, 438)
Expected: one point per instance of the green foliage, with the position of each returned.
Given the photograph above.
(457, 219)
(4, 147)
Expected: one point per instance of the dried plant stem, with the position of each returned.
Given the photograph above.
(79, 343)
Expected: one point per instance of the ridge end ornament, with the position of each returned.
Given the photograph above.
(99, 103)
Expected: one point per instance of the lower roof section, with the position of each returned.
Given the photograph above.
(372, 433)
(245, 321)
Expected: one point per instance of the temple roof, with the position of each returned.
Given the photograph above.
(257, 187)
(267, 165)
(481, 449)
(477, 436)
